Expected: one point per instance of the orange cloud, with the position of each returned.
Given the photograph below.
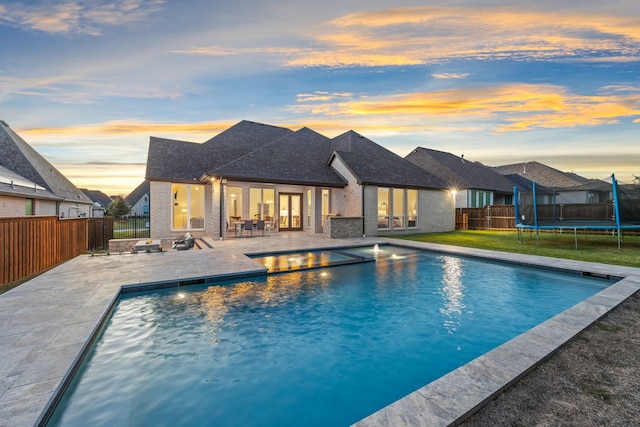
(408, 36)
(130, 127)
(502, 108)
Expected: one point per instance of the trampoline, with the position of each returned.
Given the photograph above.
(539, 210)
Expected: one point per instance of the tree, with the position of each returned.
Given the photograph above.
(118, 207)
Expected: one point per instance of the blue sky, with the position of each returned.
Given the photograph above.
(87, 82)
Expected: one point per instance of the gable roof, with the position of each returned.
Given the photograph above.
(170, 159)
(299, 157)
(98, 196)
(373, 164)
(458, 172)
(137, 193)
(19, 157)
(542, 174)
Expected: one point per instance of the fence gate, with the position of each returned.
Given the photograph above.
(100, 231)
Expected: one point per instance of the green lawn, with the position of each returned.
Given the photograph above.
(592, 248)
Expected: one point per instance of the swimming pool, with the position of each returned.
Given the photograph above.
(322, 347)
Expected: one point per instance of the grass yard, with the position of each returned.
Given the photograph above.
(591, 247)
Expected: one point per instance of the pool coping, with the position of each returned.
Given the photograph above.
(48, 322)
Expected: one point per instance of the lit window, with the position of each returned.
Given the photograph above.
(383, 207)
(398, 208)
(188, 206)
(412, 208)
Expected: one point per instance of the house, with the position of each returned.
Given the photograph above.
(21, 197)
(100, 201)
(294, 180)
(474, 184)
(138, 200)
(542, 174)
(523, 185)
(34, 186)
(561, 187)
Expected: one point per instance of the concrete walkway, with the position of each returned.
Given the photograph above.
(47, 322)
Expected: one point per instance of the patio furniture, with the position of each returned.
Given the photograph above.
(260, 226)
(183, 243)
(248, 226)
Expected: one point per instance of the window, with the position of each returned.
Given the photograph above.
(412, 208)
(479, 199)
(398, 208)
(325, 205)
(261, 203)
(403, 203)
(30, 207)
(188, 206)
(383, 207)
(234, 200)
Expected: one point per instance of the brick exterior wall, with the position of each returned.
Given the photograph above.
(347, 201)
(436, 208)
(160, 209)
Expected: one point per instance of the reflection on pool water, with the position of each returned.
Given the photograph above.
(326, 346)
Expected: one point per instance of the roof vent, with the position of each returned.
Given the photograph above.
(462, 158)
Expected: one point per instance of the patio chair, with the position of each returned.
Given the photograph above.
(248, 226)
(260, 226)
(183, 243)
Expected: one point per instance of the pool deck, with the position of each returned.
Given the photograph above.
(47, 323)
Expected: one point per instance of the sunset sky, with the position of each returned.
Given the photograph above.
(87, 82)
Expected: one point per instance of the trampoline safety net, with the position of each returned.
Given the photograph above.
(604, 205)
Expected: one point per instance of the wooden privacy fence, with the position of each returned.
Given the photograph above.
(29, 245)
(499, 217)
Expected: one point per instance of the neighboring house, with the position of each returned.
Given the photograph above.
(474, 185)
(523, 185)
(62, 199)
(100, 201)
(594, 191)
(543, 174)
(21, 197)
(563, 187)
(138, 200)
(293, 180)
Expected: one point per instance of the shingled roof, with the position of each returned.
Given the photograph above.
(373, 164)
(12, 184)
(458, 172)
(98, 196)
(543, 174)
(170, 159)
(300, 157)
(137, 193)
(18, 156)
(255, 152)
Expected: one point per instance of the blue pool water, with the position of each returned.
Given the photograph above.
(323, 347)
